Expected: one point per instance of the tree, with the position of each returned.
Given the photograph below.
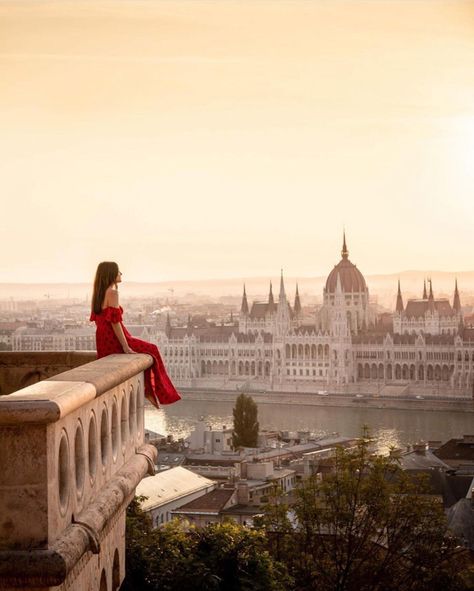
(245, 422)
(179, 557)
(367, 526)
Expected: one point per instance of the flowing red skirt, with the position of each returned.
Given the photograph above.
(158, 387)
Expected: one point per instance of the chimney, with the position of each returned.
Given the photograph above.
(420, 448)
(243, 497)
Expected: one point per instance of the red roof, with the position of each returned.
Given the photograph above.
(260, 310)
(351, 278)
(211, 502)
(418, 308)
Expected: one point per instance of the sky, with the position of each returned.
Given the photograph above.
(192, 140)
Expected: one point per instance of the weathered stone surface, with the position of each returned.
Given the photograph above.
(108, 372)
(44, 402)
(70, 458)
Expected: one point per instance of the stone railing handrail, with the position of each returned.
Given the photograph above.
(47, 401)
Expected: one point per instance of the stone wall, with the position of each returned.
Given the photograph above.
(18, 370)
(71, 455)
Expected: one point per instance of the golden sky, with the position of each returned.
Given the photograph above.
(190, 139)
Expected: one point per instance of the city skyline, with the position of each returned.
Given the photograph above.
(218, 140)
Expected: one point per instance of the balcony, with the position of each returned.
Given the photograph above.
(71, 455)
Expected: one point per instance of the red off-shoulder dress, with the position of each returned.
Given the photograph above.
(158, 387)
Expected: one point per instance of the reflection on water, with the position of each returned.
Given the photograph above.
(390, 427)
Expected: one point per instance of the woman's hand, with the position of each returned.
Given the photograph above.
(128, 351)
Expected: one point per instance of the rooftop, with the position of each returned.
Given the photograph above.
(212, 502)
(169, 485)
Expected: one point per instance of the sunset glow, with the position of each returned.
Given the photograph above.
(228, 139)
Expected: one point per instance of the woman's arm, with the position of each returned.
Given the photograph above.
(118, 330)
(113, 301)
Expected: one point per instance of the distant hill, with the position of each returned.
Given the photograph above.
(383, 287)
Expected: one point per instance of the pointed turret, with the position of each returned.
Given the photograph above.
(425, 294)
(457, 299)
(271, 301)
(189, 326)
(244, 309)
(283, 312)
(431, 305)
(297, 306)
(282, 297)
(399, 308)
(344, 252)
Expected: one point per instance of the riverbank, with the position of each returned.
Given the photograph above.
(333, 400)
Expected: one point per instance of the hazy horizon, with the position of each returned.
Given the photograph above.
(382, 288)
(208, 139)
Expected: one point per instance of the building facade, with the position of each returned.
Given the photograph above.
(425, 346)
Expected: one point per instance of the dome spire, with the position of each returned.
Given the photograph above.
(344, 252)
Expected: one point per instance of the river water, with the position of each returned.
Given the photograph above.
(389, 427)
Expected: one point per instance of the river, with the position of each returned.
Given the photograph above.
(390, 427)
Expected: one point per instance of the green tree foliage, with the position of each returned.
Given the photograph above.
(245, 422)
(219, 557)
(367, 526)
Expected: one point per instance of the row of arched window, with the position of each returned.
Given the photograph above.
(404, 371)
(307, 351)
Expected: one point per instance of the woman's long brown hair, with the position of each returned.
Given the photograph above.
(105, 275)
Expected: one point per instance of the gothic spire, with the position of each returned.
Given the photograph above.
(189, 326)
(244, 309)
(431, 304)
(271, 301)
(457, 299)
(431, 296)
(297, 306)
(168, 325)
(425, 294)
(282, 296)
(399, 307)
(344, 252)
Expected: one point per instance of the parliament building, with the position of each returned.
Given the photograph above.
(422, 348)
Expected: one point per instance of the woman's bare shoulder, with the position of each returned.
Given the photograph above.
(111, 297)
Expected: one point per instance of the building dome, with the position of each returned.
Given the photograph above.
(351, 278)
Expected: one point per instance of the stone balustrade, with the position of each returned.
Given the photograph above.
(71, 454)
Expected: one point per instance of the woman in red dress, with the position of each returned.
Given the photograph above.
(113, 337)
